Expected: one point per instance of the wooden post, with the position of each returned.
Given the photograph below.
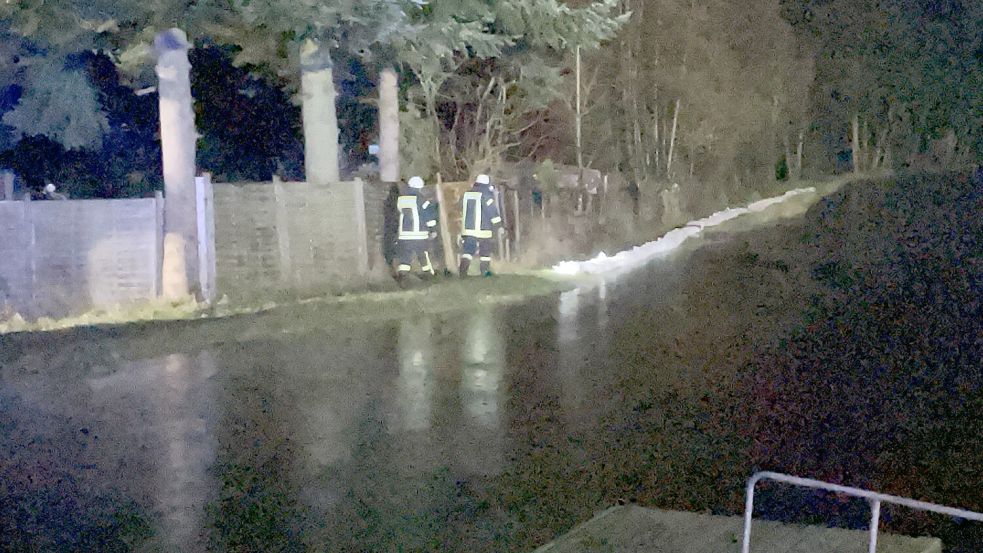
(445, 235)
(515, 211)
(178, 137)
(503, 238)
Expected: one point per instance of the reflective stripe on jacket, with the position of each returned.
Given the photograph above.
(480, 213)
(416, 220)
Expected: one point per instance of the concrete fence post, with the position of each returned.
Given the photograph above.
(361, 236)
(178, 136)
(204, 208)
(388, 125)
(318, 113)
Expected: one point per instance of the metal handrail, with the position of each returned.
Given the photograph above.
(874, 498)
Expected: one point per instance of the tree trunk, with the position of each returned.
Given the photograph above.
(655, 129)
(789, 168)
(319, 114)
(672, 140)
(579, 122)
(430, 97)
(798, 156)
(648, 151)
(881, 157)
(388, 126)
(639, 15)
(635, 116)
(178, 137)
(856, 154)
(773, 147)
(626, 103)
(665, 143)
(865, 145)
(875, 160)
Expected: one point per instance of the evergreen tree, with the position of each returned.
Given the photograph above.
(48, 38)
(490, 65)
(286, 35)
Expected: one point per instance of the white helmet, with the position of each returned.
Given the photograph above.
(415, 182)
(482, 179)
(49, 188)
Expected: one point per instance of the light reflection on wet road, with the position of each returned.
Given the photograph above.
(437, 386)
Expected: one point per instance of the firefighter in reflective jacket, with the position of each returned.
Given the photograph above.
(417, 226)
(480, 219)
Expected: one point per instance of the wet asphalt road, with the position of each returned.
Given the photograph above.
(303, 428)
(418, 394)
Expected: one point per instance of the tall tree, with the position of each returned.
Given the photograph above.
(291, 39)
(483, 68)
(50, 36)
(734, 71)
(907, 71)
(284, 35)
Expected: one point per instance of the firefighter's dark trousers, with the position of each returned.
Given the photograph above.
(482, 248)
(409, 251)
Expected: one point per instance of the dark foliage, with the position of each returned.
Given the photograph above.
(127, 164)
(250, 130)
(881, 384)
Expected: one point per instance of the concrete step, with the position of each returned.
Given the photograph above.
(634, 529)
